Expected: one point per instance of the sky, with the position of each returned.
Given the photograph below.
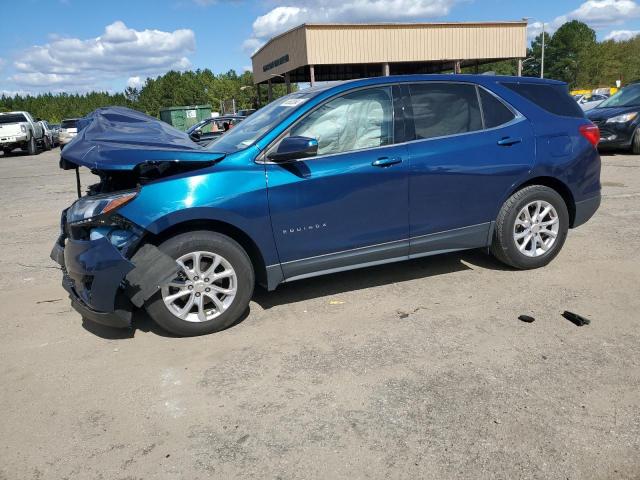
(79, 46)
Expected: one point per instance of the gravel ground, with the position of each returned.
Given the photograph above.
(414, 370)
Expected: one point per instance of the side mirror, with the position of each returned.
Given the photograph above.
(294, 148)
(196, 134)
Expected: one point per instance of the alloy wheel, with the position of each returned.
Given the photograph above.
(536, 228)
(205, 287)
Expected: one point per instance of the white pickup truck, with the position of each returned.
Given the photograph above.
(20, 130)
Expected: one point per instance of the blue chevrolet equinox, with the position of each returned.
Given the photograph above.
(327, 179)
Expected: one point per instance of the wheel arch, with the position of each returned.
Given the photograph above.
(558, 186)
(233, 232)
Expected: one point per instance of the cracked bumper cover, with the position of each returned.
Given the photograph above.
(103, 285)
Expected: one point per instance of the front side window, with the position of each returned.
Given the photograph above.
(442, 109)
(358, 120)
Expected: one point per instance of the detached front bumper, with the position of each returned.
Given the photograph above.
(93, 272)
(103, 285)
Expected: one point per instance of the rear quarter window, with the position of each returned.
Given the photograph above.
(495, 112)
(552, 98)
(68, 124)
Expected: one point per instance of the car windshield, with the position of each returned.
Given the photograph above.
(197, 126)
(627, 97)
(248, 131)
(12, 118)
(68, 124)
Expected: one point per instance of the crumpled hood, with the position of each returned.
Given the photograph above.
(118, 138)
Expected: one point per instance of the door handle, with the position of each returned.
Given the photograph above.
(386, 161)
(508, 141)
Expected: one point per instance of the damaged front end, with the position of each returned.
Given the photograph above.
(110, 265)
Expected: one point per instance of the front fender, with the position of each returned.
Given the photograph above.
(233, 193)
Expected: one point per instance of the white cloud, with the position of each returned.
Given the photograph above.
(595, 13)
(135, 82)
(622, 35)
(289, 14)
(604, 12)
(118, 52)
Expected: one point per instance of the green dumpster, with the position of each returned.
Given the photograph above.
(185, 116)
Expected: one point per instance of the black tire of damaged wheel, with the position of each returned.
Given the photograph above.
(504, 246)
(214, 242)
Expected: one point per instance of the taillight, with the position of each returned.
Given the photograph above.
(591, 132)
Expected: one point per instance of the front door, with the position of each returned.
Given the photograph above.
(348, 205)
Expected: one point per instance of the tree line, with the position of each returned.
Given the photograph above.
(572, 54)
(197, 87)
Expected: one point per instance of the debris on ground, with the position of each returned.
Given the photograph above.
(577, 320)
(526, 318)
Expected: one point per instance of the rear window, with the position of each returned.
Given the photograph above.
(68, 124)
(12, 118)
(495, 112)
(441, 109)
(552, 98)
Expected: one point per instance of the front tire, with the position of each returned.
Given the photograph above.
(635, 144)
(47, 144)
(531, 228)
(212, 290)
(32, 148)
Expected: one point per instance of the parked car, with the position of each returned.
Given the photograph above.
(326, 179)
(55, 132)
(619, 119)
(587, 102)
(68, 130)
(47, 141)
(20, 130)
(246, 112)
(208, 129)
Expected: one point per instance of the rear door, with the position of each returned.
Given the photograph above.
(469, 150)
(348, 205)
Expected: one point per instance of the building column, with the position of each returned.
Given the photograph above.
(312, 75)
(456, 67)
(287, 81)
(519, 67)
(269, 91)
(385, 69)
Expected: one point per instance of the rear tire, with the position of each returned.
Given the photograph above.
(223, 312)
(635, 144)
(531, 228)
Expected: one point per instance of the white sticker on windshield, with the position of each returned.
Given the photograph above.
(293, 102)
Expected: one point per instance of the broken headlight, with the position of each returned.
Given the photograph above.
(88, 209)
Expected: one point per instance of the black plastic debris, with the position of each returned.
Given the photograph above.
(577, 320)
(526, 318)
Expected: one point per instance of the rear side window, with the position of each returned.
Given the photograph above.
(441, 109)
(552, 98)
(68, 124)
(495, 112)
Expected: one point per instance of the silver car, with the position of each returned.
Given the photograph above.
(68, 130)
